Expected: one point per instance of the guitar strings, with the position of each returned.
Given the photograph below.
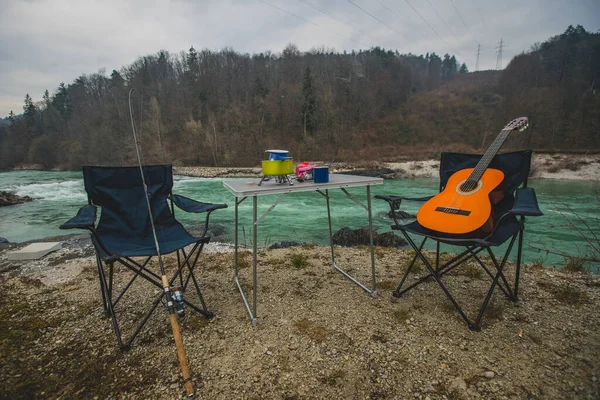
(470, 184)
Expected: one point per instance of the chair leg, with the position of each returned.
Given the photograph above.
(99, 266)
(519, 252)
(442, 269)
(127, 346)
(506, 290)
(196, 251)
(435, 276)
(140, 269)
(397, 292)
(499, 273)
(109, 304)
(511, 294)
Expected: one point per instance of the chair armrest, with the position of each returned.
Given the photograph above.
(526, 203)
(393, 199)
(193, 206)
(85, 218)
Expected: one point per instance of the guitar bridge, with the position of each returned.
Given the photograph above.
(449, 210)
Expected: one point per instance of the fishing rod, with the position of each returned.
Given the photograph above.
(185, 370)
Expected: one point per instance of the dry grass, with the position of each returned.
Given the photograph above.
(494, 311)
(568, 164)
(387, 285)
(401, 314)
(575, 265)
(537, 264)
(299, 260)
(309, 328)
(472, 271)
(565, 293)
(448, 307)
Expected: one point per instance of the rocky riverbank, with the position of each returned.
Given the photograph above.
(318, 335)
(9, 199)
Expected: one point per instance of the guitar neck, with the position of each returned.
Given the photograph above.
(489, 155)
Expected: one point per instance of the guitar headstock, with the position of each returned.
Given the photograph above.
(520, 124)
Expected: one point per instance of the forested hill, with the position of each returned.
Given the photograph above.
(225, 108)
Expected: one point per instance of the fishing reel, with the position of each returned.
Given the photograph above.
(177, 298)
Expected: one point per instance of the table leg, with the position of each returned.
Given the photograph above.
(330, 231)
(236, 277)
(237, 203)
(372, 291)
(254, 249)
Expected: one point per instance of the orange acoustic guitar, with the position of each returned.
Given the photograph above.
(464, 206)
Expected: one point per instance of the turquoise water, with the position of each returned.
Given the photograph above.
(301, 216)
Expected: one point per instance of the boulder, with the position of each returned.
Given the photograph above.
(354, 237)
(400, 215)
(284, 245)
(9, 199)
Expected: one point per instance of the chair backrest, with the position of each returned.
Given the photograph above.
(120, 194)
(515, 165)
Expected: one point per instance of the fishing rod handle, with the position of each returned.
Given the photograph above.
(185, 370)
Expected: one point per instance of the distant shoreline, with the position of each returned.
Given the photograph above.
(545, 166)
(569, 166)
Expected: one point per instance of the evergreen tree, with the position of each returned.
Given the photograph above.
(62, 101)
(11, 116)
(29, 110)
(449, 67)
(46, 99)
(463, 69)
(191, 61)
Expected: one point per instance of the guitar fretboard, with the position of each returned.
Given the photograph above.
(485, 161)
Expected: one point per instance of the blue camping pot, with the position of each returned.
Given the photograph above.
(275, 155)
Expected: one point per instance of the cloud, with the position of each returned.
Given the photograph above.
(45, 42)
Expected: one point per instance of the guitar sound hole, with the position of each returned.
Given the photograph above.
(468, 186)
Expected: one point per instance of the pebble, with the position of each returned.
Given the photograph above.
(489, 374)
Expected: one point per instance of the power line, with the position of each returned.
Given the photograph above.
(375, 18)
(313, 23)
(478, 52)
(430, 27)
(479, 12)
(400, 17)
(324, 11)
(499, 52)
(460, 17)
(441, 19)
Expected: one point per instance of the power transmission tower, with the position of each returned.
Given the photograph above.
(499, 52)
(478, 52)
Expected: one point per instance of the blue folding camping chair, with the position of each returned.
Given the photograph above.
(124, 233)
(509, 215)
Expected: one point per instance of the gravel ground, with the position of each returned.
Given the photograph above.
(318, 335)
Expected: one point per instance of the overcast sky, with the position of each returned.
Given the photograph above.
(45, 42)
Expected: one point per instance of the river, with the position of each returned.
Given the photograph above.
(303, 216)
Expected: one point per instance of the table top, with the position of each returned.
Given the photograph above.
(249, 186)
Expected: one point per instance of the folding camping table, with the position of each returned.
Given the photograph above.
(244, 188)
